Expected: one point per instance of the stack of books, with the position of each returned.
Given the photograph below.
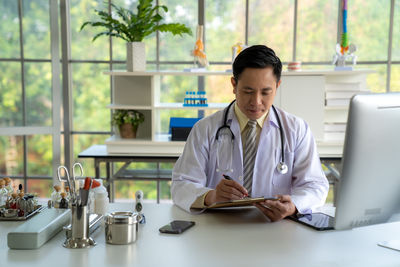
(334, 131)
(339, 94)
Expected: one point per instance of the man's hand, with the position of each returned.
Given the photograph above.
(276, 210)
(226, 190)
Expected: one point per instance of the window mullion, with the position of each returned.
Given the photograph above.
(389, 65)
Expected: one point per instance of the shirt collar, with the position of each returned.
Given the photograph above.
(243, 120)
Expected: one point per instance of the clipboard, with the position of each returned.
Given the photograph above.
(239, 202)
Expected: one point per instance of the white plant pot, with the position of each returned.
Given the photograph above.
(135, 56)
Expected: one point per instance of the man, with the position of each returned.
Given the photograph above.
(257, 128)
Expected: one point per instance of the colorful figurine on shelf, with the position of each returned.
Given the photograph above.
(344, 51)
(198, 53)
(236, 49)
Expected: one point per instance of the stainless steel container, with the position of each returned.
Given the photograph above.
(121, 227)
(79, 229)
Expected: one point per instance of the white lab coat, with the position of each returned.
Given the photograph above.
(195, 171)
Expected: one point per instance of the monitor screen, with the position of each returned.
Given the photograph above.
(369, 186)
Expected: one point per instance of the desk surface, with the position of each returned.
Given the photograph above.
(219, 238)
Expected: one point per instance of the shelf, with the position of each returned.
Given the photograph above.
(329, 72)
(211, 106)
(142, 90)
(119, 106)
(144, 147)
(167, 72)
(180, 106)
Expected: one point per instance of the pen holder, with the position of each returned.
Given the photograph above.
(79, 228)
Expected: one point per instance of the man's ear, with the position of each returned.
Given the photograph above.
(278, 84)
(233, 82)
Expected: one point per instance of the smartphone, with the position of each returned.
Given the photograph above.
(318, 221)
(176, 227)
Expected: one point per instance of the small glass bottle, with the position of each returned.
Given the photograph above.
(21, 203)
(3, 193)
(20, 189)
(9, 186)
(192, 99)
(198, 98)
(13, 201)
(186, 99)
(63, 202)
(56, 196)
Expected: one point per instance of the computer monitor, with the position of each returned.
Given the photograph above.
(369, 186)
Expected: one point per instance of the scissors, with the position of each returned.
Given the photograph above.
(71, 182)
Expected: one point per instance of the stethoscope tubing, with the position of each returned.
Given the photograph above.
(282, 164)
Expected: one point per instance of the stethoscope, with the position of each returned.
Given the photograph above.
(281, 167)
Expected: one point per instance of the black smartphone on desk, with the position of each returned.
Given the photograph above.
(318, 221)
(176, 227)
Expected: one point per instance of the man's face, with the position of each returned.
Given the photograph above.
(255, 91)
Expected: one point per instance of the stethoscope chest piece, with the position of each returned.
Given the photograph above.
(282, 168)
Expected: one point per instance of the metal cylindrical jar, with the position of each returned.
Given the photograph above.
(121, 227)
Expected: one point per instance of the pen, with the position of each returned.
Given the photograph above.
(227, 177)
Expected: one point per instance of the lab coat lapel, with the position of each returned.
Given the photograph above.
(269, 122)
(235, 128)
(267, 138)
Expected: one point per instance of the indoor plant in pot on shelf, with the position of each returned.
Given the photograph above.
(133, 28)
(127, 121)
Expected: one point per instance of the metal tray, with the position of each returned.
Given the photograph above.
(25, 217)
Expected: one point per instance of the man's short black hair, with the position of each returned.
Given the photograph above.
(257, 56)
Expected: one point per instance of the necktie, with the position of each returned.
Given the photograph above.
(249, 156)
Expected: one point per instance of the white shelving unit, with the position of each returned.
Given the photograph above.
(302, 93)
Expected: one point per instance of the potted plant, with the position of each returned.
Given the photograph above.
(127, 121)
(133, 28)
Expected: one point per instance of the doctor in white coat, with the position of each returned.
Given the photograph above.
(197, 180)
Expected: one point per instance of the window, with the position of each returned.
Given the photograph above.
(27, 108)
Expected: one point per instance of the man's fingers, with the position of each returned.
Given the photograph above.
(228, 190)
(277, 204)
(232, 190)
(232, 187)
(278, 209)
(284, 198)
(271, 213)
(229, 196)
(236, 185)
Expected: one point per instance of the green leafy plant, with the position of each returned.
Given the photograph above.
(122, 116)
(133, 27)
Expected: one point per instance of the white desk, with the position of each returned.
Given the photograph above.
(235, 238)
